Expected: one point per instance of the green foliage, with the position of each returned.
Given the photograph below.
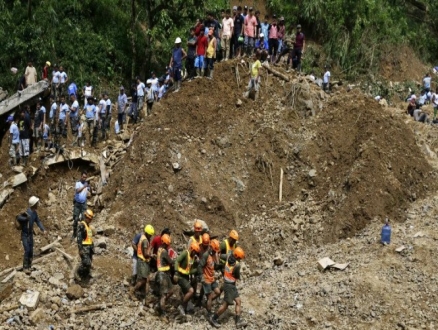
(355, 34)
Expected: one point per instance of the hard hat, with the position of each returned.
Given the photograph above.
(239, 253)
(48, 63)
(89, 214)
(33, 200)
(149, 81)
(205, 239)
(178, 40)
(14, 70)
(194, 246)
(197, 226)
(234, 235)
(165, 239)
(10, 119)
(149, 230)
(214, 243)
(262, 35)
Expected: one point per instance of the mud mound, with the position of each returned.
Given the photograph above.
(368, 165)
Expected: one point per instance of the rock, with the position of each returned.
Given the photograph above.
(17, 169)
(74, 292)
(55, 282)
(30, 299)
(58, 276)
(36, 316)
(56, 300)
(176, 167)
(240, 186)
(100, 242)
(51, 198)
(278, 260)
(109, 230)
(223, 142)
(170, 188)
(312, 173)
(324, 263)
(239, 102)
(54, 307)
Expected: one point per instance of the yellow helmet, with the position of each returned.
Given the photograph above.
(149, 230)
(89, 214)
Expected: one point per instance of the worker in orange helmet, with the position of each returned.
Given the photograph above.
(164, 266)
(197, 282)
(207, 265)
(185, 265)
(229, 244)
(231, 295)
(197, 236)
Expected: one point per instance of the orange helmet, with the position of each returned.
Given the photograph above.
(215, 245)
(89, 214)
(165, 239)
(239, 253)
(198, 225)
(194, 246)
(234, 235)
(205, 239)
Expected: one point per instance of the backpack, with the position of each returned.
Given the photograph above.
(20, 219)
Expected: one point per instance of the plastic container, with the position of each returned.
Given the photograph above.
(385, 236)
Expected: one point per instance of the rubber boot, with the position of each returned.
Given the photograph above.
(25, 161)
(198, 73)
(211, 74)
(133, 279)
(239, 322)
(202, 72)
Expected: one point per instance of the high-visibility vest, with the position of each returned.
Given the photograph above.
(186, 271)
(199, 240)
(139, 250)
(159, 266)
(228, 247)
(208, 270)
(89, 238)
(228, 273)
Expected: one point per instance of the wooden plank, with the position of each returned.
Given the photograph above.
(37, 261)
(102, 170)
(11, 275)
(49, 246)
(65, 254)
(6, 271)
(275, 72)
(280, 190)
(90, 308)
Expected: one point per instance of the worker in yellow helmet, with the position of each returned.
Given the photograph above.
(85, 246)
(231, 295)
(229, 244)
(197, 236)
(186, 264)
(144, 253)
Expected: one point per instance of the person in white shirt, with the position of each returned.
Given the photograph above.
(427, 82)
(31, 74)
(150, 97)
(435, 103)
(63, 79)
(227, 32)
(56, 78)
(108, 113)
(154, 84)
(140, 95)
(326, 79)
(88, 92)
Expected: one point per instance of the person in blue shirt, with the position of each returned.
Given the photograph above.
(80, 202)
(91, 117)
(74, 114)
(178, 55)
(27, 220)
(14, 140)
(122, 103)
(134, 258)
(53, 112)
(73, 89)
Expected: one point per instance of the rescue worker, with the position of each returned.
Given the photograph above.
(229, 244)
(27, 220)
(186, 265)
(163, 277)
(197, 236)
(208, 264)
(197, 283)
(155, 245)
(85, 246)
(231, 295)
(144, 256)
(134, 244)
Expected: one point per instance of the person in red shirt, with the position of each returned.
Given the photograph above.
(45, 74)
(250, 32)
(198, 27)
(201, 48)
(155, 244)
(299, 45)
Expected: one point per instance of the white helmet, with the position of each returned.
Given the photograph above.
(149, 81)
(262, 35)
(178, 40)
(33, 200)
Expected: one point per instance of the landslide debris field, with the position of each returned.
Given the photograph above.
(346, 167)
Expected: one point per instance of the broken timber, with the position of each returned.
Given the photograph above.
(275, 72)
(70, 156)
(90, 308)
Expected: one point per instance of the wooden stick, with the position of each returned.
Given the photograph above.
(65, 254)
(6, 271)
(49, 246)
(37, 261)
(102, 170)
(280, 192)
(275, 72)
(11, 275)
(10, 308)
(90, 308)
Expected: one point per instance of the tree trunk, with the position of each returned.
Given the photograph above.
(134, 53)
(29, 10)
